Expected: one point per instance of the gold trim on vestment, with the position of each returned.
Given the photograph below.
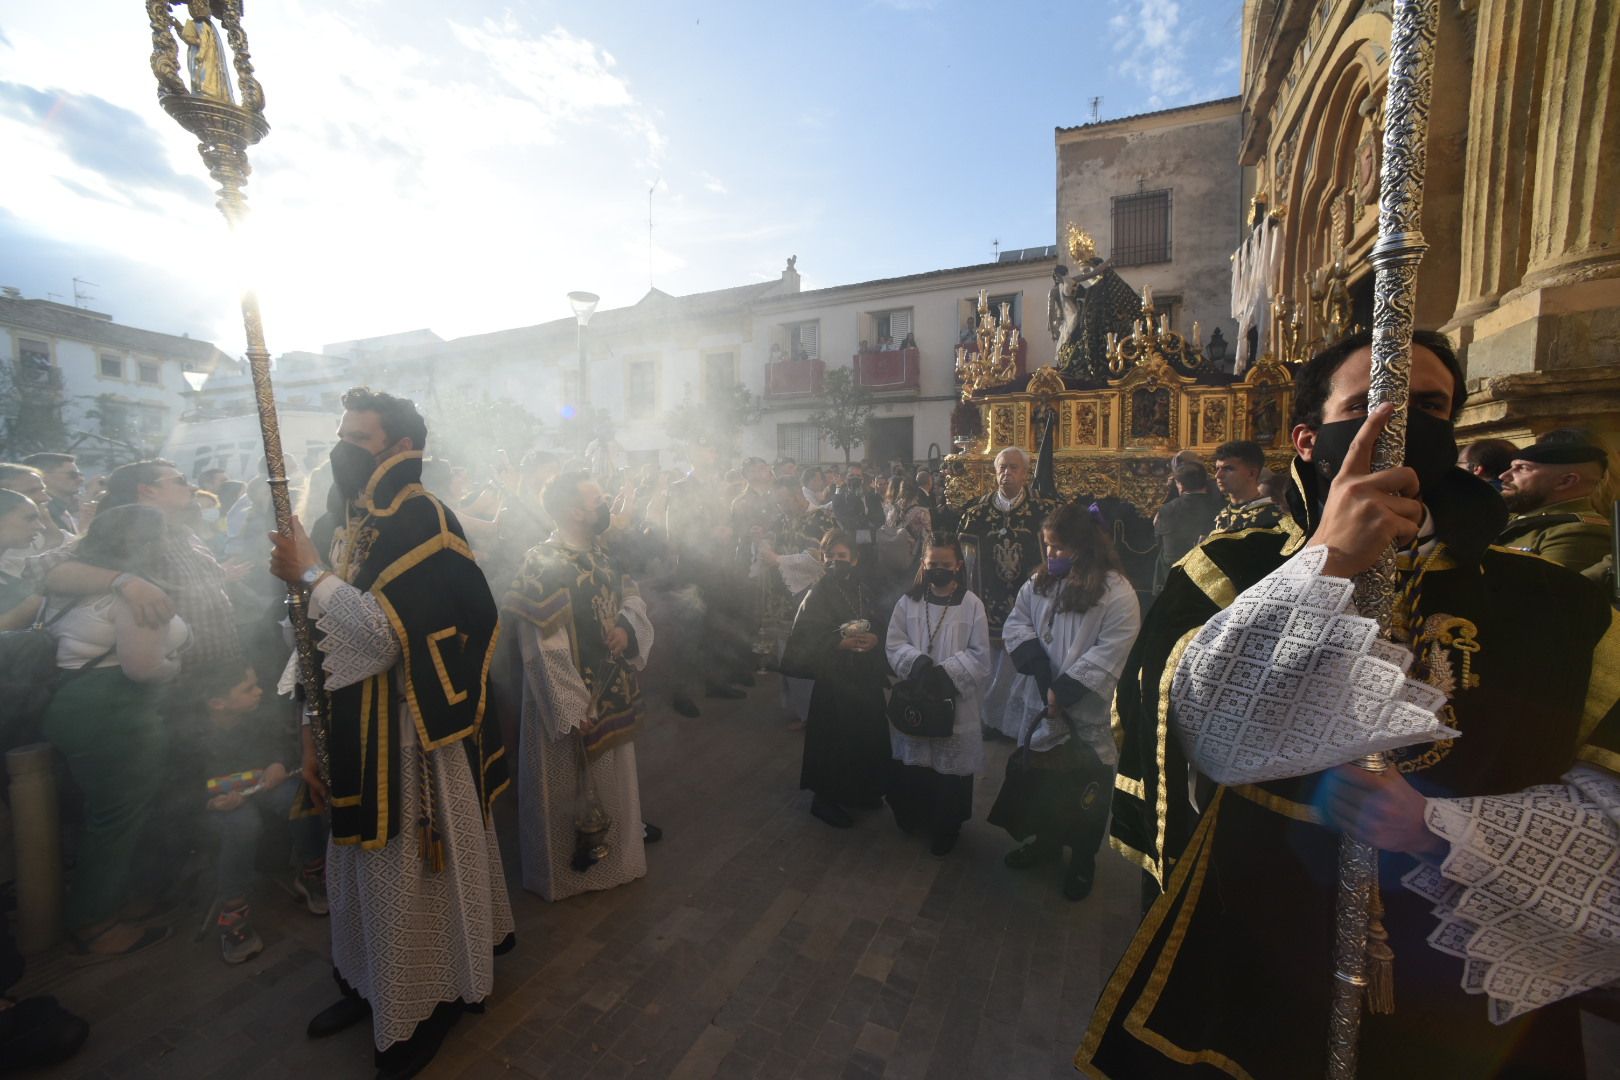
(378, 475)
(1210, 579)
(1596, 755)
(451, 694)
(1603, 687)
(1114, 989)
(1288, 808)
(1130, 785)
(1136, 1019)
(1162, 802)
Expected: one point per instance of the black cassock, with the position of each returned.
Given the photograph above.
(846, 736)
(1230, 974)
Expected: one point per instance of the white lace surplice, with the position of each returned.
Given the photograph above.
(555, 703)
(1290, 680)
(962, 648)
(1089, 647)
(403, 937)
(1529, 896)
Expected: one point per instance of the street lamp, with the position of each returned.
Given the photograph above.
(584, 305)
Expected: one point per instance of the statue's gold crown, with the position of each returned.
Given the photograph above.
(1079, 243)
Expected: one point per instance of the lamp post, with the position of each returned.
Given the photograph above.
(584, 305)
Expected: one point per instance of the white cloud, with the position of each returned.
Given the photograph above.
(713, 184)
(1153, 50)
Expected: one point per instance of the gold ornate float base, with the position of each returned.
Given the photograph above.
(1117, 441)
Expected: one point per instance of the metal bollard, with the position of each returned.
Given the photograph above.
(37, 841)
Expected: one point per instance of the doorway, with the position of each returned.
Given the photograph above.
(890, 440)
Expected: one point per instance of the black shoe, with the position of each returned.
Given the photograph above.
(831, 813)
(943, 842)
(720, 690)
(1031, 854)
(344, 1013)
(1081, 876)
(406, 1059)
(685, 706)
(651, 834)
(37, 1032)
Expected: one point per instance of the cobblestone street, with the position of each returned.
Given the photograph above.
(761, 943)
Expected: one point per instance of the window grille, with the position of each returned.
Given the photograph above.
(801, 442)
(1141, 227)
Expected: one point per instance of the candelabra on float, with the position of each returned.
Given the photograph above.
(993, 358)
(1152, 337)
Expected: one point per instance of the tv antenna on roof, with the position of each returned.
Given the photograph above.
(650, 191)
(995, 249)
(1096, 108)
(80, 297)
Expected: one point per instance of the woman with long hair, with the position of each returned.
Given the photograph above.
(1068, 635)
(939, 640)
(104, 719)
(836, 640)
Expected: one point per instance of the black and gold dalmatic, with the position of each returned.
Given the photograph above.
(400, 544)
(579, 592)
(1231, 972)
(1002, 547)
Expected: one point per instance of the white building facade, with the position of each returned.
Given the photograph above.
(112, 392)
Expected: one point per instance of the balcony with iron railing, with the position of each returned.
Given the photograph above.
(889, 370)
(789, 379)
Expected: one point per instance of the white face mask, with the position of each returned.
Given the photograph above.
(210, 516)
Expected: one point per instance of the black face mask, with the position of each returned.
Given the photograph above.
(604, 518)
(1431, 448)
(840, 571)
(352, 467)
(939, 576)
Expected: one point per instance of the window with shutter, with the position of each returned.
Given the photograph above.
(805, 339)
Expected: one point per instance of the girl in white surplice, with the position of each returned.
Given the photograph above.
(938, 636)
(1068, 635)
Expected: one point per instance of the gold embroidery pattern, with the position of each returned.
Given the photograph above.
(1444, 649)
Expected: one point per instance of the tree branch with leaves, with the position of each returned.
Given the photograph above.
(846, 410)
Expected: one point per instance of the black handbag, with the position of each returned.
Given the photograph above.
(922, 715)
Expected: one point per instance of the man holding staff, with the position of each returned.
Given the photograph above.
(1253, 645)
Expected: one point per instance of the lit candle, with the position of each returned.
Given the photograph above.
(1197, 338)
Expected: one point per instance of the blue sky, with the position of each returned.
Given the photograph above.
(461, 167)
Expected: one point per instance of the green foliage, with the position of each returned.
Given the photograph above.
(845, 412)
(715, 423)
(30, 417)
(471, 431)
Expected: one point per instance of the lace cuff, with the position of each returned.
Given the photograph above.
(356, 639)
(1529, 897)
(1289, 680)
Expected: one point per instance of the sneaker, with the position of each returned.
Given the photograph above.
(310, 885)
(238, 943)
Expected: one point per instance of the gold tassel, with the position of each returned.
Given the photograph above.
(1380, 960)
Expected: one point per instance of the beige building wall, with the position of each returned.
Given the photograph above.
(1189, 151)
(938, 303)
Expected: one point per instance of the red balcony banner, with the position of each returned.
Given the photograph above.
(892, 369)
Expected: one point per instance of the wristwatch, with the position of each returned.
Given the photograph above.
(311, 576)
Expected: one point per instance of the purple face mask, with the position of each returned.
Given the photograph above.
(1059, 565)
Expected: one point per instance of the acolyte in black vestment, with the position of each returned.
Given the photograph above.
(1230, 974)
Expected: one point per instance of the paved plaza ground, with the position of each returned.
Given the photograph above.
(760, 944)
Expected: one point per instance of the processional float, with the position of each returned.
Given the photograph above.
(226, 120)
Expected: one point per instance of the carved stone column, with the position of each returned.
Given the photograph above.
(1499, 177)
(1564, 313)
(1575, 228)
